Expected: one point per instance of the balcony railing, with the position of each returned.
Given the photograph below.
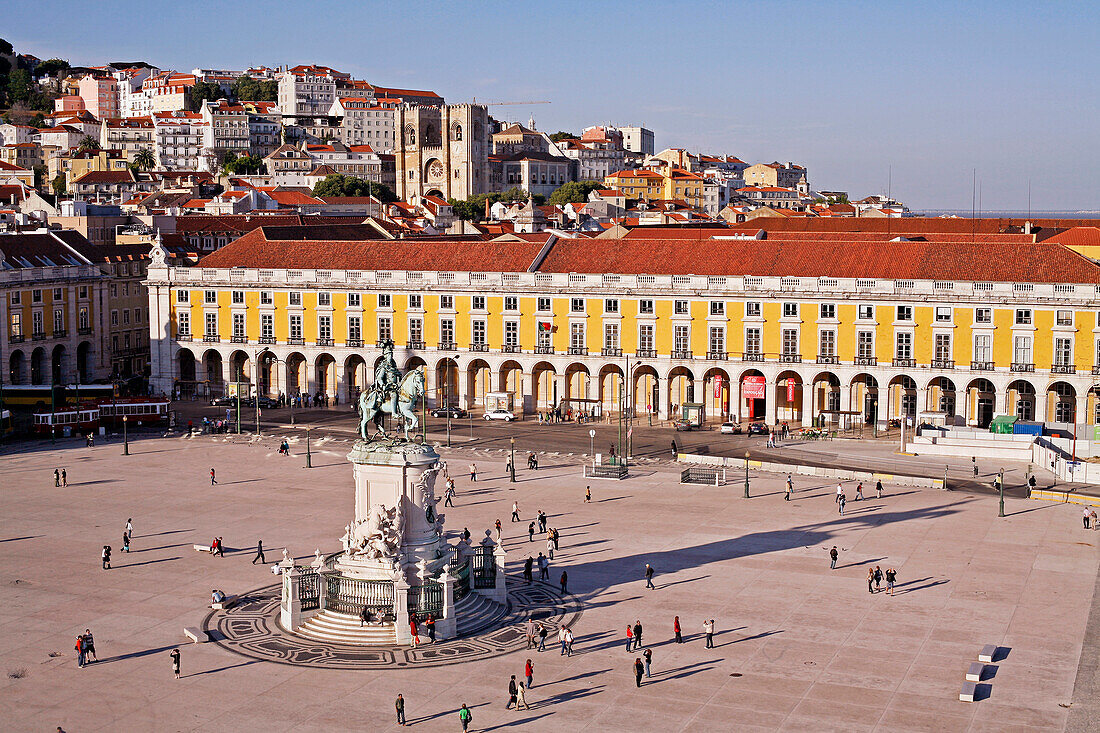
(544, 349)
(15, 339)
(646, 354)
(510, 349)
(981, 366)
(296, 341)
(904, 363)
(1020, 366)
(183, 337)
(611, 352)
(681, 354)
(324, 341)
(211, 338)
(271, 340)
(1063, 369)
(752, 356)
(448, 346)
(827, 359)
(578, 351)
(38, 336)
(238, 339)
(943, 363)
(790, 358)
(415, 345)
(866, 361)
(479, 347)
(84, 331)
(60, 333)
(718, 355)
(1096, 369)
(354, 343)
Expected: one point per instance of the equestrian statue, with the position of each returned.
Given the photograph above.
(390, 394)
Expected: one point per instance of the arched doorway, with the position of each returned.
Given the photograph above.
(355, 377)
(212, 367)
(941, 399)
(826, 398)
(981, 400)
(83, 362)
(17, 367)
(1020, 400)
(185, 371)
(59, 364)
(270, 384)
(446, 383)
(480, 382)
(577, 383)
(788, 397)
(864, 394)
(324, 367)
(752, 404)
(681, 389)
(716, 393)
(296, 377)
(511, 381)
(902, 396)
(1062, 403)
(240, 367)
(646, 390)
(611, 385)
(544, 390)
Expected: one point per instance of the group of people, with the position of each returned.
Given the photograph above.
(216, 547)
(60, 478)
(841, 497)
(875, 576)
(414, 626)
(558, 415)
(85, 649)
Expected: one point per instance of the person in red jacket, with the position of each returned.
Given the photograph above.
(676, 630)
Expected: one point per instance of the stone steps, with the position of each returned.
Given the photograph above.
(476, 612)
(344, 628)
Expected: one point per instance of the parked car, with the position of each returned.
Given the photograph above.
(500, 414)
(731, 428)
(758, 428)
(223, 402)
(453, 412)
(266, 403)
(682, 425)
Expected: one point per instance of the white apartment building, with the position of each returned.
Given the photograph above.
(264, 128)
(306, 91)
(366, 122)
(128, 134)
(132, 100)
(225, 130)
(167, 91)
(16, 134)
(637, 139)
(178, 140)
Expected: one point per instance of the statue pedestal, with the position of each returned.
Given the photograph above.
(401, 475)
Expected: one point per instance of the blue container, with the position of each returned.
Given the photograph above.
(1027, 428)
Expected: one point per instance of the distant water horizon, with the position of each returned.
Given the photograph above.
(1010, 214)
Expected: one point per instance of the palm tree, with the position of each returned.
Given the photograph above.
(144, 159)
(87, 144)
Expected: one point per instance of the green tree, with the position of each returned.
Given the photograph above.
(20, 87)
(574, 192)
(562, 135)
(247, 89)
(58, 184)
(336, 184)
(51, 67)
(244, 165)
(144, 159)
(204, 91)
(87, 144)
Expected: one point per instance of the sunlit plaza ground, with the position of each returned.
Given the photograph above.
(799, 646)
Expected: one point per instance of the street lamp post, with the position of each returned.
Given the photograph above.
(592, 445)
(1001, 487)
(309, 457)
(512, 461)
(746, 474)
(125, 438)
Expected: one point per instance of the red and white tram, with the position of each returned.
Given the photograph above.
(67, 421)
(136, 410)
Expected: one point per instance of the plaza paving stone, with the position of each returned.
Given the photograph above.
(814, 650)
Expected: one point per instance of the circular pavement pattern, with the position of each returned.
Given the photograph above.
(250, 628)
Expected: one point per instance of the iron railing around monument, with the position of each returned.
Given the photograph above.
(309, 589)
(484, 568)
(425, 599)
(351, 595)
(459, 569)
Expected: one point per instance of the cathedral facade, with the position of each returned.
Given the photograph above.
(441, 151)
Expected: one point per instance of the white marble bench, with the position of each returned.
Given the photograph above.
(968, 691)
(975, 671)
(229, 601)
(201, 548)
(195, 634)
(987, 654)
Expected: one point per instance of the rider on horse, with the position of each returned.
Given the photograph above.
(387, 377)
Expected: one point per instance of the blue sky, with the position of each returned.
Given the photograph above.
(929, 91)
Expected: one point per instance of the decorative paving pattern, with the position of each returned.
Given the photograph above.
(251, 629)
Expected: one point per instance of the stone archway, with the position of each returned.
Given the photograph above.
(212, 367)
(863, 391)
(1061, 403)
(185, 365)
(611, 388)
(577, 383)
(942, 398)
(240, 367)
(297, 378)
(645, 390)
(59, 364)
(902, 399)
(826, 398)
(511, 381)
(981, 402)
(752, 388)
(788, 398)
(355, 377)
(83, 362)
(324, 370)
(717, 393)
(543, 386)
(681, 389)
(446, 383)
(479, 376)
(17, 367)
(1021, 400)
(38, 366)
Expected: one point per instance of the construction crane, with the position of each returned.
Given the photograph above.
(499, 104)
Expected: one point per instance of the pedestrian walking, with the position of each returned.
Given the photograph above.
(564, 581)
(530, 633)
(870, 580)
(841, 503)
(544, 568)
(430, 623)
(521, 698)
(708, 629)
(790, 488)
(639, 670)
(130, 526)
(125, 542)
(587, 494)
(466, 534)
(465, 716)
(399, 703)
(542, 637)
(513, 690)
(859, 491)
(532, 462)
(515, 511)
(1086, 516)
(473, 472)
(891, 576)
(213, 480)
(647, 655)
(833, 555)
(555, 536)
(878, 488)
(79, 651)
(176, 662)
(449, 494)
(878, 579)
(1095, 526)
(497, 525)
(676, 629)
(974, 461)
(105, 557)
(64, 479)
(568, 641)
(531, 532)
(629, 638)
(649, 577)
(219, 548)
(839, 491)
(57, 478)
(550, 546)
(527, 570)
(561, 640)
(89, 646)
(542, 520)
(415, 632)
(259, 553)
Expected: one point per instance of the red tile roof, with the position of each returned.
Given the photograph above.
(1078, 236)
